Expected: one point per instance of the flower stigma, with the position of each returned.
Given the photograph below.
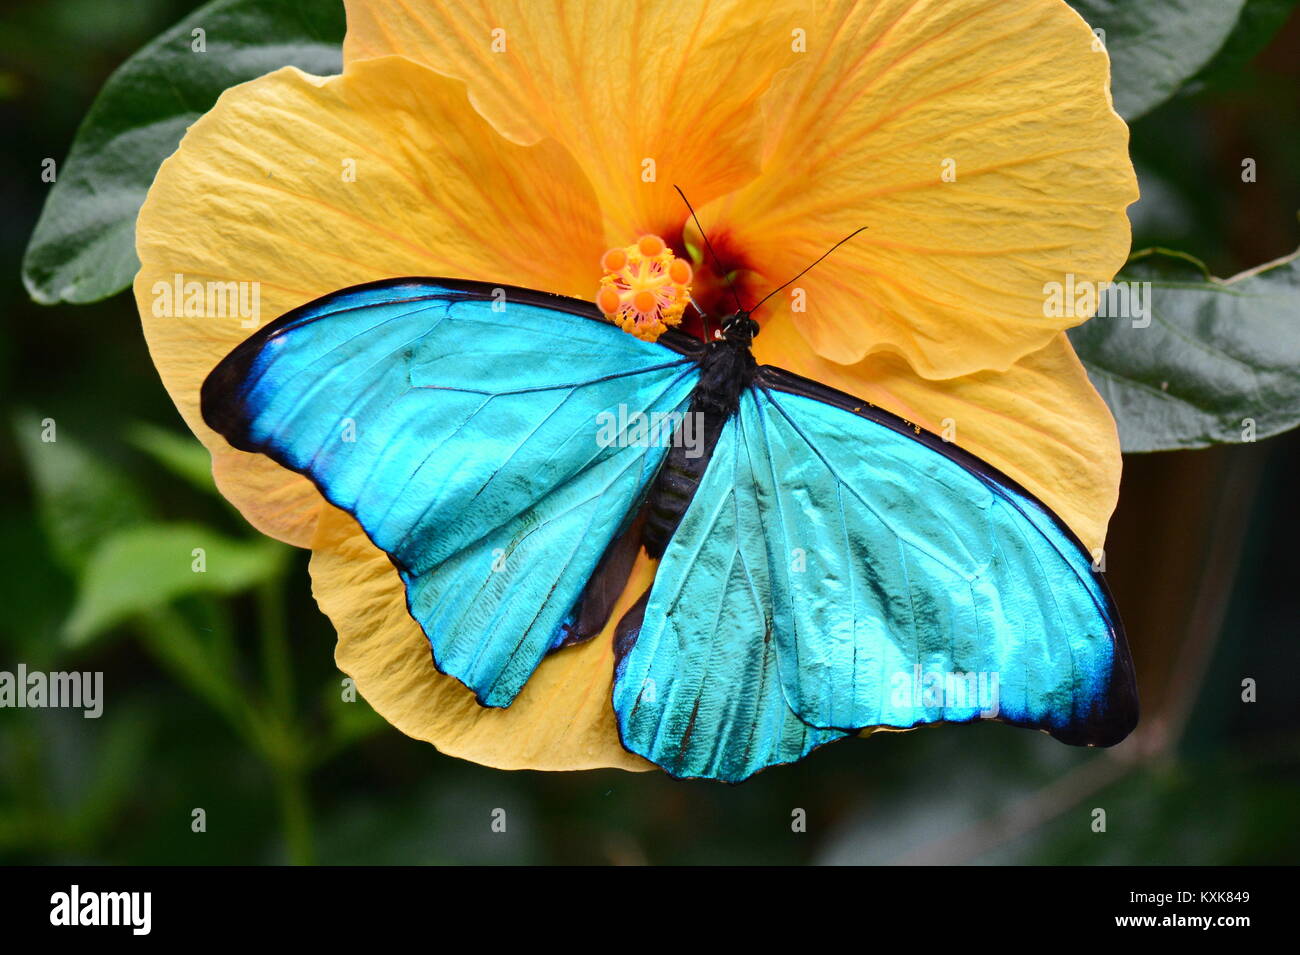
(645, 287)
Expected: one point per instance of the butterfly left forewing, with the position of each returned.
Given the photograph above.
(460, 426)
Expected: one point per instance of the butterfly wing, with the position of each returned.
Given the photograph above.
(697, 688)
(852, 573)
(920, 559)
(461, 425)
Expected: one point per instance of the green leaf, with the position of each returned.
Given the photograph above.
(1259, 22)
(183, 455)
(83, 247)
(80, 497)
(147, 567)
(1218, 363)
(1157, 45)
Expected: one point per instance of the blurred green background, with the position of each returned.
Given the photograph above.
(228, 700)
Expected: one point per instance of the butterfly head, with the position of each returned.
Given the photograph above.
(739, 329)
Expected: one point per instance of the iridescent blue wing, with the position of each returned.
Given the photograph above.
(914, 584)
(853, 573)
(480, 437)
(696, 686)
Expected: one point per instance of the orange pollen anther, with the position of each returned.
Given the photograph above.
(645, 287)
(650, 245)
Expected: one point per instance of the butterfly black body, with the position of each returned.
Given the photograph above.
(727, 368)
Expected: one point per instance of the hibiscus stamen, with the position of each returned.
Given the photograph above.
(645, 287)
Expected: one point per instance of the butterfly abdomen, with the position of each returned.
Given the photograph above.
(726, 370)
(669, 498)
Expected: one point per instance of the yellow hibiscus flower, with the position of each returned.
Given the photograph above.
(515, 143)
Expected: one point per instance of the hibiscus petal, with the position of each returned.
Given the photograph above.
(1041, 423)
(562, 719)
(675, 83)
(950, 274)
(305, 185)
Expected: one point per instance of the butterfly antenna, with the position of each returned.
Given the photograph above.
(713, 255)
(806, 270)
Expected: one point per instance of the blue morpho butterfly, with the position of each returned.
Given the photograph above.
(825, 566)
